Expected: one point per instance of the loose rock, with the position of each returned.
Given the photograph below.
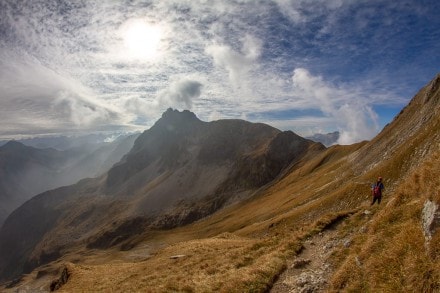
(430, 219)
(300, 263)
(347, 243)
(56, 284)
(177, 256)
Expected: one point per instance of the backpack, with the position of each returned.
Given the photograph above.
(376, 190)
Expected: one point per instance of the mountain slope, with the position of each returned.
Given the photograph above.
(381, 248)
(26, 171)
(180, 170)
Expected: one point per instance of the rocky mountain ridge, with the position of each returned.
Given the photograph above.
(180, 170)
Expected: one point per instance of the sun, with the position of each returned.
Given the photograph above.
(141, 39)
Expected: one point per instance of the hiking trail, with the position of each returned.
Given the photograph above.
(309, 271)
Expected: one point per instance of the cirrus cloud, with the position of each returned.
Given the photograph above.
(289, 63)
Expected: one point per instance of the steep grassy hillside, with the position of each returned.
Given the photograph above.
(399, 247)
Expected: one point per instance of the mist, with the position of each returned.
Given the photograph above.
(28, 171)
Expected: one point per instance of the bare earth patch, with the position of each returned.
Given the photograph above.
(310, 270)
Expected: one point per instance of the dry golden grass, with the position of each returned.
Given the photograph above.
(392, 255)
(225, 263)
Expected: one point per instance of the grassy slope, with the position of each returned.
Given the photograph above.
(391, 253)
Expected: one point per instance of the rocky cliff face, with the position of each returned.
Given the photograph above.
(178, 171)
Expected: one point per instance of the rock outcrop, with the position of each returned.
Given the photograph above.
(58, 283)
(430, 219)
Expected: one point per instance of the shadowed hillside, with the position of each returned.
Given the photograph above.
(180, 170)
(26, 171)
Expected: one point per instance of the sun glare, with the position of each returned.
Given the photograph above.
(142, 40)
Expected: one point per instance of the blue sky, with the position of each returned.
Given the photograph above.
(71, 67)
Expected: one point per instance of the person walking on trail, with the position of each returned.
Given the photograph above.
(377, 191)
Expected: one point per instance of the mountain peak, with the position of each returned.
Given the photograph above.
(172, 115)
(175, 120)
(13, 145)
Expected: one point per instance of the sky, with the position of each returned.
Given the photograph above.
(310, 66)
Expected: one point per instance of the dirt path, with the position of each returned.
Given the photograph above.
(309, 271)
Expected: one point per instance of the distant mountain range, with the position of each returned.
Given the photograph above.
(63, 142)
(26, 171)
(327, 139)
(69, 142)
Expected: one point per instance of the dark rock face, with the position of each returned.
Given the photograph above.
(178, 171)
(119, 234)
(64, 277)
(257, 152)
(257, 169)
(165, 140)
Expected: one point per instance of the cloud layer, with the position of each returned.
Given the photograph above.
(309, 66)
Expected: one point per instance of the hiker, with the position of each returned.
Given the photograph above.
(377, 191)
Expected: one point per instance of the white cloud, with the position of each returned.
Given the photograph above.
(251, 47)
(306, 125)
(236, 64)
(180, 94)
(83, 112)
(139, 106)
(354, 117)
(236, 72)
(33, 94)
(301, 11)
